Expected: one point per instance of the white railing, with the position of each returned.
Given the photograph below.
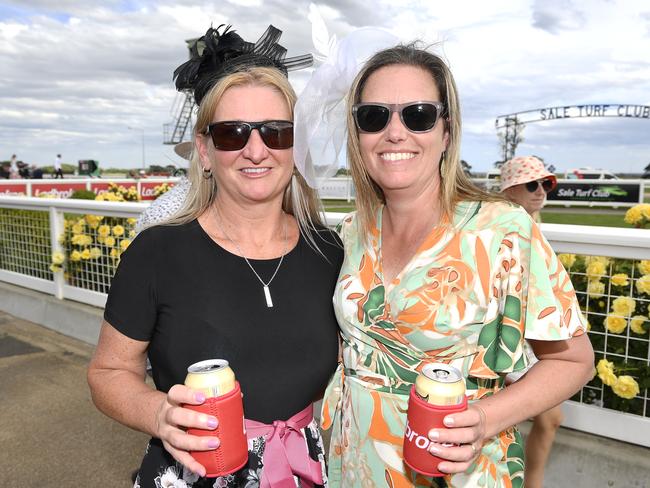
(41, 224)
(30, 239)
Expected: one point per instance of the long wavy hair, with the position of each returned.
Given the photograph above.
(299, 200)
(455, 185)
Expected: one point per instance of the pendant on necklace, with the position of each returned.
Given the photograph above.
(267, 295)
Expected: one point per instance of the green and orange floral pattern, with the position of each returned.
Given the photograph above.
(469, 296)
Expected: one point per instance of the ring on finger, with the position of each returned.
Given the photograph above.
(473, 448)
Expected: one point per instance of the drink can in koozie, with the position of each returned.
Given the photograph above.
(216, 380)
(439, 390)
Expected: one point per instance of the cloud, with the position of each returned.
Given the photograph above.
(76, 74)
(555, 16)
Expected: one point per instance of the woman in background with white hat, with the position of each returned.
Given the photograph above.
(525, 181)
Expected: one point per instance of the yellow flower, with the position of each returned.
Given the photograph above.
(54, 268)
(82, 240)
(615, 324)
(85, 254)
(77, 229)
(595, 269)
(624, 306)
(567, 260)
(114, 253)
(95, 252)
(131, 233)
(620, 279)
(643, 284)
(75, 256)
(644, 266)
(606, 372)
(633, 215)
(118, 231)
(131, 221)
(595, 288)
(109, 241)
(124, 243)
(636, 324)
(93, 220)
(645, 210)
(626, 387)
(104, 230)
(58, 257)
(597, 259)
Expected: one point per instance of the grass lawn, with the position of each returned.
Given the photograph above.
(599, 220)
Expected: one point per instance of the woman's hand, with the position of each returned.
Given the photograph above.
(467, 432)
(172, 421)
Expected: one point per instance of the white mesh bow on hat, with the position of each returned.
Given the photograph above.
(320, 113)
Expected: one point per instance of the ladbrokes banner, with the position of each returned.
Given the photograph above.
(65, 188)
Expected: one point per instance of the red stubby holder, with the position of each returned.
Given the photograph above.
(421, 418)
(232, 453)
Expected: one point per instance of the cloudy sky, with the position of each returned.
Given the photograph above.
(89, 78)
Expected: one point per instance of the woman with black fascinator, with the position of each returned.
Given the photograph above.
(244, 271)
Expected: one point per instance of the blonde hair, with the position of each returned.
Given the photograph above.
(456, 186)
(300, 200)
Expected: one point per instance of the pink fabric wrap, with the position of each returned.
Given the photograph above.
(285, 453)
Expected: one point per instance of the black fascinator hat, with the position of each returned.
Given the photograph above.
(217, 54)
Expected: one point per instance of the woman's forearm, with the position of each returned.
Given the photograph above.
(555, 378)
(125, 397)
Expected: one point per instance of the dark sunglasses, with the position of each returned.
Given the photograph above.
(233, 135)
(416, 116)
(547, 185)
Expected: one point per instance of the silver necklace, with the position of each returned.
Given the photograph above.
(265, 286)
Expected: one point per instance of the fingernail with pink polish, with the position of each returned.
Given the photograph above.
(434, 435)
(199, 397)
(213, 443)
(449, 421)
(212, 423)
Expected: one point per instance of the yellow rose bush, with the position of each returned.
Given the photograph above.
(638, 216)
(614, 297)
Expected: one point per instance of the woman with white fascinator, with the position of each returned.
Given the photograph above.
(244, 271)
(435, 271)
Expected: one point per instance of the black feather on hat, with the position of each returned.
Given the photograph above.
(217, 54)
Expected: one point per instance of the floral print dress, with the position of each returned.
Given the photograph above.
(162, 471)
(470, 295)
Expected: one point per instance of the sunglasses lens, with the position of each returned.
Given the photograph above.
(229, 136)
(371, 118)
(547, 185)
(531, 186)
(277, 134)
(420, 117)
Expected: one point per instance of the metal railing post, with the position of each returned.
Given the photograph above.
(57, 227)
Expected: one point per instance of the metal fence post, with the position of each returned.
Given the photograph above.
(57, 227)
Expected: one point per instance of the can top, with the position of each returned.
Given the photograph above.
(208, 366)
(442, 373)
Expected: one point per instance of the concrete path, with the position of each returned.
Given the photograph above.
(51, 434)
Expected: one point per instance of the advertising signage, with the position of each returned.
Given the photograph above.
(593, 192)
(64, 188)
